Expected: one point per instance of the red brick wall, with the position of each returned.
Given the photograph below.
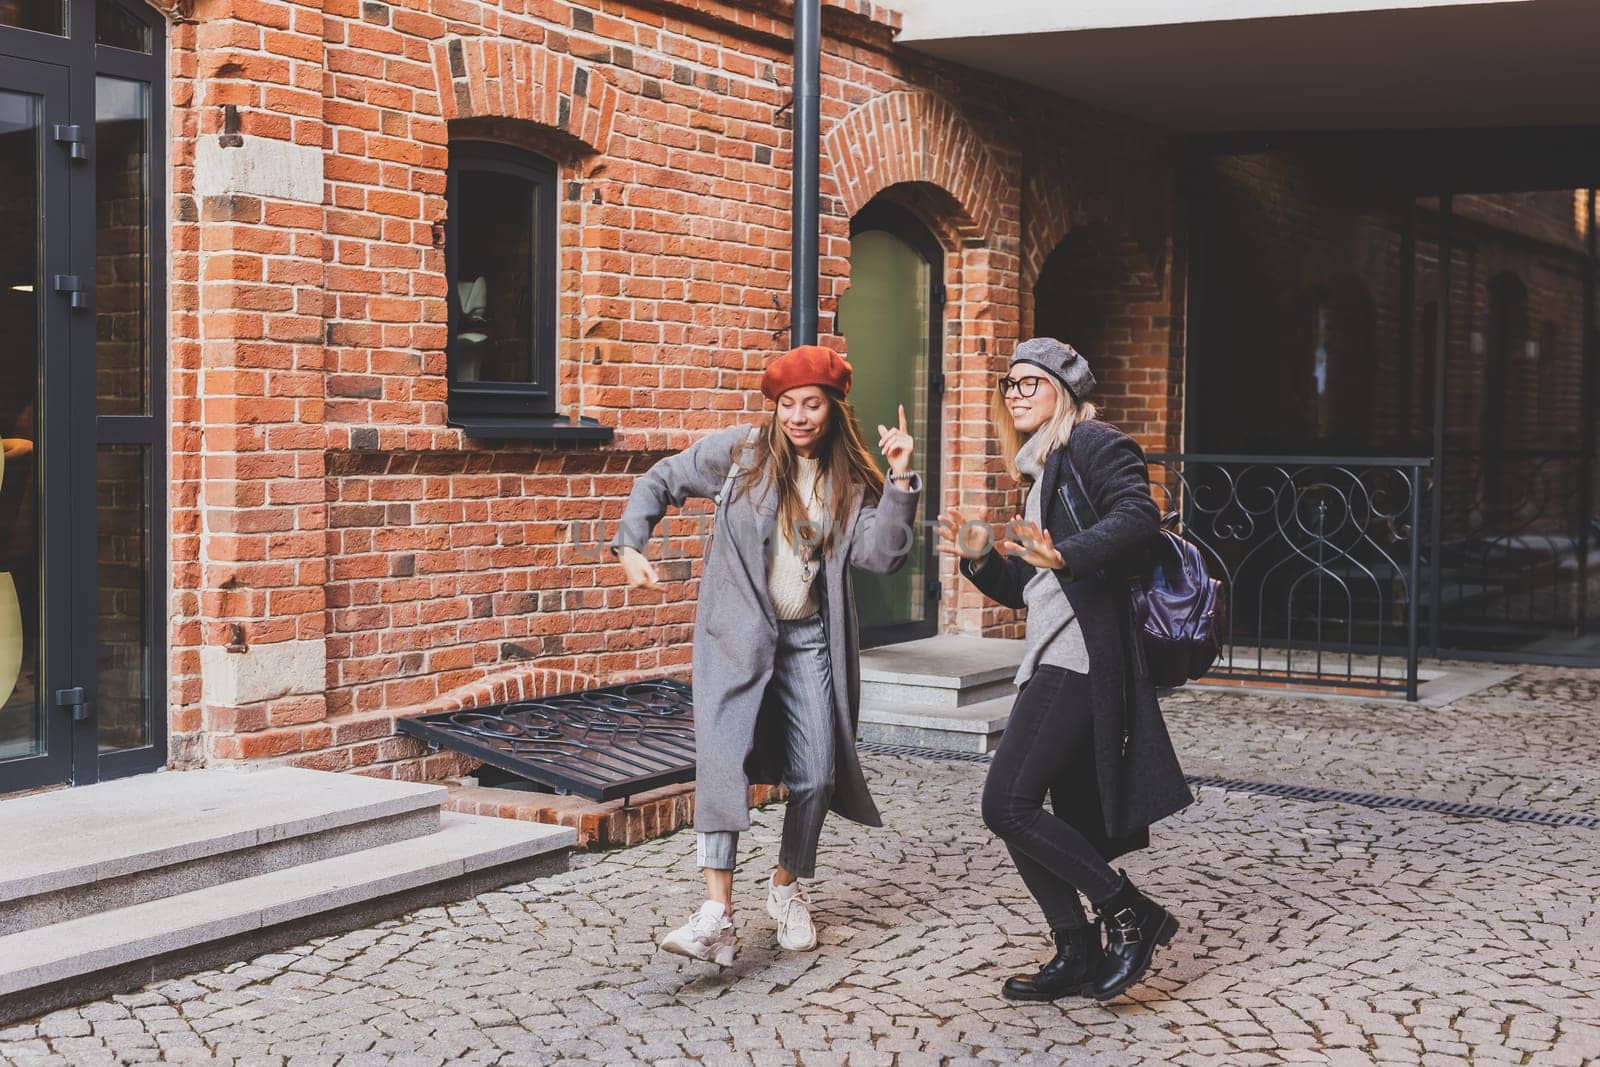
(318, 494)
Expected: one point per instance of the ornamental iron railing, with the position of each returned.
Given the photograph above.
(1320, 561)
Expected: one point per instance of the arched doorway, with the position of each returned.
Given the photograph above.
(891, 318)
(82, 391)
(1340, 331)
(1075, 293)
(1087, 293)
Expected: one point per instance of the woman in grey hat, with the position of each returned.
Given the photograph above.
(1085, 726)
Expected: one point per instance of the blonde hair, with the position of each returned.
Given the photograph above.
(1058, 431)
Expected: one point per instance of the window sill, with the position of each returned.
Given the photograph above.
(553, 428)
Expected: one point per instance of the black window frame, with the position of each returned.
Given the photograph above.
(467, 401)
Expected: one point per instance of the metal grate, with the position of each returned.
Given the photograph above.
(877, 748)
(1380, 800)
(600, 743)
(1307, 793)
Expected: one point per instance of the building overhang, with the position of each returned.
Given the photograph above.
(1229, 66)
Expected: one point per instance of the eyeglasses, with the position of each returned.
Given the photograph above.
(1023, 387)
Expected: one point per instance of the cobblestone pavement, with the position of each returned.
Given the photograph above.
(1313, 932)
(1530, 741)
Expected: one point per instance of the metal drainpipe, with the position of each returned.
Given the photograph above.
(807, 149)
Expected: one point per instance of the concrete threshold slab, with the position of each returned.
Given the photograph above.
(60, 840)
(971, 728)
(950, 661)
(1438, 684)
(94, 943)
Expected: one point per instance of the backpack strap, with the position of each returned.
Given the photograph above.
(1077, 479)
(733, 469)
(733, 472)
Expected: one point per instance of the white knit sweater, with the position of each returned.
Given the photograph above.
(792, 592)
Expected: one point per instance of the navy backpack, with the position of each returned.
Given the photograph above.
(1177, 606)
(1179, 609)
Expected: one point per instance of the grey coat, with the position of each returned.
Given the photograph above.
(735, 631)
(1137, 779)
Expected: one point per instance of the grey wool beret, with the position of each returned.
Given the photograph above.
(1060, 360)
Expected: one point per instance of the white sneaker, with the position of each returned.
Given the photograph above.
(706, 936)
(788, 905)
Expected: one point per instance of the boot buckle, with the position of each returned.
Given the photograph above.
(1125, 924)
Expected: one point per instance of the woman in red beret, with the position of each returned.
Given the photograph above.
(800, 501)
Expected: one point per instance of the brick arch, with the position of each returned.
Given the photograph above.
(491, 77)
(915, 137)
(522, 683)
(1115, 187)
(172, 10)
(1051, 216)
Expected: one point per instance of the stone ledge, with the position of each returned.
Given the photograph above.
(611, 824)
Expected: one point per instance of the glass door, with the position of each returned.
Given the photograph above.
(35, 734)
(82, 403)
(892, 320)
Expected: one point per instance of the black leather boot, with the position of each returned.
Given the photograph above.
(1068, 974)
(1135, 925)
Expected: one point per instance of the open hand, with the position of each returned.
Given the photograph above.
(964, 537)
(896, 444)
(641, 573)
(1032, 545)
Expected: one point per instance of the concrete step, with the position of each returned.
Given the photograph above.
(84, 957)
(79, 852)
(947, 672)
(971, 728)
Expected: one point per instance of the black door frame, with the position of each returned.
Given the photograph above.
(71, 429)
(52, 449)
(891, 218)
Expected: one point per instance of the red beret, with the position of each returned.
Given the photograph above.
(806, 365)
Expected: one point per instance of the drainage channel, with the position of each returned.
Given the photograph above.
(1312, 794)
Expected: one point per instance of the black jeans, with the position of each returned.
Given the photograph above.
(1049, 738)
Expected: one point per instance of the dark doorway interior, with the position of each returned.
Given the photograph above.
(1347, 309)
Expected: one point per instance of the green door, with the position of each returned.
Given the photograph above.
(891, 319)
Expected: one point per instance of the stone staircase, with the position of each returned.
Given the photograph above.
(108, 887)
(948, 692)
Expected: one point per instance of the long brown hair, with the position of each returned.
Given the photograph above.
(843, 462)
(1058, 431)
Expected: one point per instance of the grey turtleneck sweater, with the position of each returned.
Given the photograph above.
(1053, 635)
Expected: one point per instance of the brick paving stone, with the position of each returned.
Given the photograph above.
(1312, 932)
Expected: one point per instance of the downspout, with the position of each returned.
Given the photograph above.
(807, 150)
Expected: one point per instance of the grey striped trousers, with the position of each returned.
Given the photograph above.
(802, 684)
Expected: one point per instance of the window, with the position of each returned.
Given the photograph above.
(500, 251)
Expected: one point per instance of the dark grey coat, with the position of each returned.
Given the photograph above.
(735, 630)
(1137, 778)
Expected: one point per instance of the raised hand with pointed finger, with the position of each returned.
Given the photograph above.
(896, 445)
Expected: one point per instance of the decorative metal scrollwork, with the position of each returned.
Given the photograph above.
(1318, 558)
